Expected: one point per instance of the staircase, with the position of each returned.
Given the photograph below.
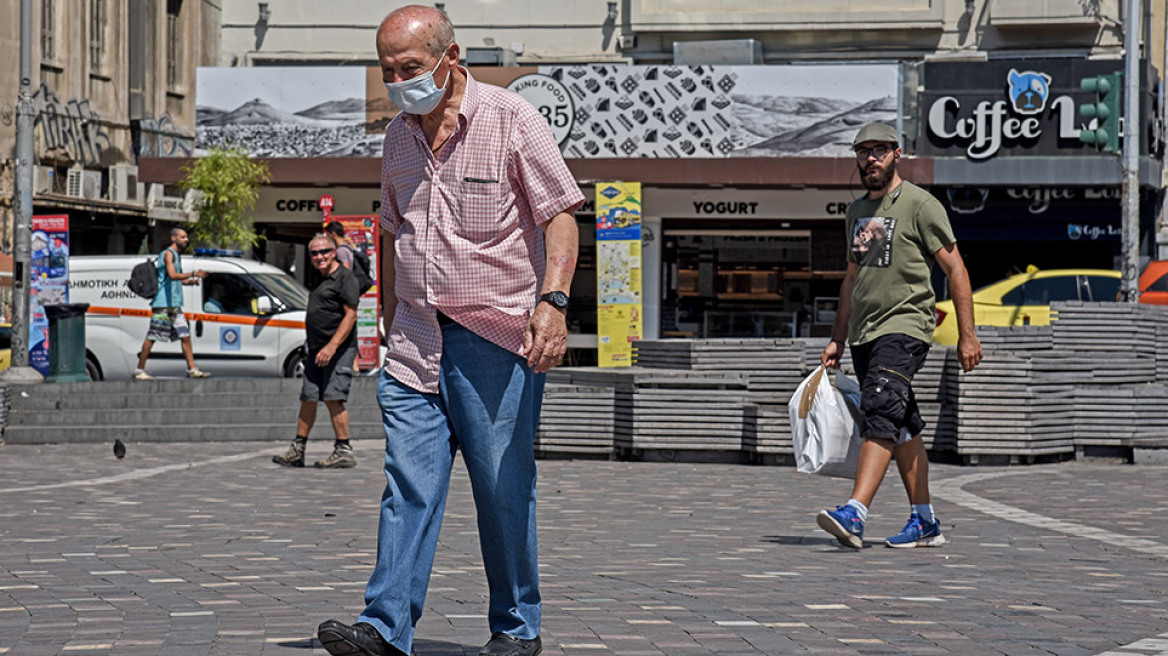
(177, 410)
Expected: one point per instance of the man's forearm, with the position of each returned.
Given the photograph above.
(962, 295)
(346, 327)
(562, 244)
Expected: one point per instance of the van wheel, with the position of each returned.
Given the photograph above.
(92, 368)
(294, 366)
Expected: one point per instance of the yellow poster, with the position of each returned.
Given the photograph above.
(618, 271)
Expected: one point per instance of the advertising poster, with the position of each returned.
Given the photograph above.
(49, 284)
(594, 111)
(362, 231)
(618, 271)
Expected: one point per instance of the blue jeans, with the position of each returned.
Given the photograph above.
(487, 405)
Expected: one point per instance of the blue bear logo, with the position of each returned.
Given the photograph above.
(1029, 91)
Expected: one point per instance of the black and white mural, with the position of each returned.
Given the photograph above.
(594, 111)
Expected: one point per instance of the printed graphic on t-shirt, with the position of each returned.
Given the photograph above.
(872, 241)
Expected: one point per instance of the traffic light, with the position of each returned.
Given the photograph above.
(1105, 110)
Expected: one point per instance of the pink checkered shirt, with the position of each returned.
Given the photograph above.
(467, 226)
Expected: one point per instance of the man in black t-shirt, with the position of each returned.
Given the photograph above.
(331, 347)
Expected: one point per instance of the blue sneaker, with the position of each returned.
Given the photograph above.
(917, 533)
(845, 524)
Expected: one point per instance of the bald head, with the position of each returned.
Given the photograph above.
(416, 26)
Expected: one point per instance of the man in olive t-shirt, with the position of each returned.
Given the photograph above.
(895, 233)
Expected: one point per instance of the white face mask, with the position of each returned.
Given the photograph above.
(418, 95)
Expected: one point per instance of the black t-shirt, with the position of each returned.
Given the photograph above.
(326, 308)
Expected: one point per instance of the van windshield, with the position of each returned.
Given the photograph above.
(285, 289)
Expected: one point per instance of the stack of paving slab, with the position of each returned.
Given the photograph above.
(1105, 343)
(1009, 405)
(936, 390)
(1094, 377)
(5, 404)
(1119, 386)
(576, 420)
(774, 368)
(669, 409)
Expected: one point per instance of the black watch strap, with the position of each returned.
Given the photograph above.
(558, 300)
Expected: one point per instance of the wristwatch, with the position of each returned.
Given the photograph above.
(558, 300)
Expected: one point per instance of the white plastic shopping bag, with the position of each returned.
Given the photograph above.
(825, 426)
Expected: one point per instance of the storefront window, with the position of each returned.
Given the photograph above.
(722, 283)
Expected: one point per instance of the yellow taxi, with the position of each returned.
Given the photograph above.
(1024, 299)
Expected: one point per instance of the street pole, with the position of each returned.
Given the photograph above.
(20, 372)
(1131, 154)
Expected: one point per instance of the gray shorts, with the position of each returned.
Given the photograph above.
(330, 382)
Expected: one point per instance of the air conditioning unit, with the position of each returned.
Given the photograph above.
(43, 179)
(488, 56)
(82, 183)
(123, 184)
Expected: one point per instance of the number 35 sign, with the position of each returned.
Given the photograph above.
(551, 99)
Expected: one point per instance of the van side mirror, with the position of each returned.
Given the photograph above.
(261, 305)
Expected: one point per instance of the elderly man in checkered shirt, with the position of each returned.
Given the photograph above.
(478, 254)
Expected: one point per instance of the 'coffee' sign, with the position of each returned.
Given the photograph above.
(1019, 107)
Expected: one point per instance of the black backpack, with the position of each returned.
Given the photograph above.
(144, 278)
(361, 268)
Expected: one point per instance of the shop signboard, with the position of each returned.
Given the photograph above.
(1033, 213)
(618, 271)
(1014, 107)
(49, 283)
(362, 231)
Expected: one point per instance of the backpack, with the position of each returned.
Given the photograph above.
(361, 268)
(144, 279)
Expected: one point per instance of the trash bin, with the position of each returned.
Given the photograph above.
(66, 342)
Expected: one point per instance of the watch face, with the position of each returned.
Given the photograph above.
(558, 300)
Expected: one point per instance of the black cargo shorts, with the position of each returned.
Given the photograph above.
(885, 367)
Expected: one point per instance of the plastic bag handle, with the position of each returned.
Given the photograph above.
(809, 392)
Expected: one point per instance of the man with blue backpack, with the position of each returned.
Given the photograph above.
(167, 322)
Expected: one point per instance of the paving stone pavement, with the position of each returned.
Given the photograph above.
(185, 549)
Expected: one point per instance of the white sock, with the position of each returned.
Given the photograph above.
(925, 511)
(861, 509)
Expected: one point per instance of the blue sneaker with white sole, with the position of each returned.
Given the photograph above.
(917, 533)
(844, 524)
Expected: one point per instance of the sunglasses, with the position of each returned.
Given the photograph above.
(323, 251)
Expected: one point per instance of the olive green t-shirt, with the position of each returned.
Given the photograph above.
(892, 241)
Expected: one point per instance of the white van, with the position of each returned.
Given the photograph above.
(246, 318)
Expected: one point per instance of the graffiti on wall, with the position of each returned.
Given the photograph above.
(160, 137)
(70, 127)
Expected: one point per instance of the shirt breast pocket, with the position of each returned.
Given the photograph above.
(481, 208)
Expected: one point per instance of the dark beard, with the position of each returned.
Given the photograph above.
(878, 180)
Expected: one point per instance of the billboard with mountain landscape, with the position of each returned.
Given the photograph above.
(594, 111)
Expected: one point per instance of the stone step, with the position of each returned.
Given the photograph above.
(222, 415)
(183, 433)
(163, 394)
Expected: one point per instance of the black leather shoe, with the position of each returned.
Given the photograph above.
(361, 639)
(503, 644)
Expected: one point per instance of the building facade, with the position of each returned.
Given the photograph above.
(112, 81)
(736, 118)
